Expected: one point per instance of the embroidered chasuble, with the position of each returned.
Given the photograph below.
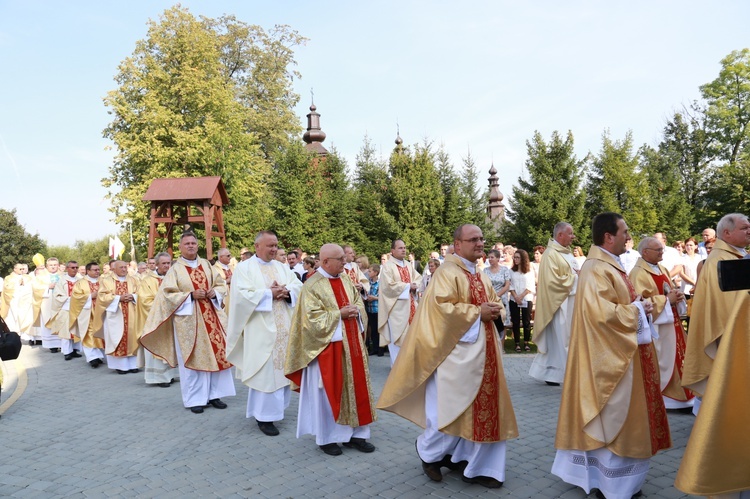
(343, 365)
(472, 393)
(120, 333)
(59, 322)
(147, 290)
(396, 314)
(201, 333)
(86, 322)
(611, 394)
(670, 347)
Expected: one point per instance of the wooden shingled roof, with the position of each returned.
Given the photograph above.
(188, 189)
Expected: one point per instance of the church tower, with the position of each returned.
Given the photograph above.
(314, 136)
(495, 207)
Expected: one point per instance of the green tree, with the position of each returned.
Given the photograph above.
(452, 210)
(16, 245)
(190, 102)
(615, 183)
(550, 191)
(674, 216)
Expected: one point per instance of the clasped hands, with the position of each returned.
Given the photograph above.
(278, 291)
(648, 305)
(349, 311)
(126, 298)
(490, 311)
(201, 294)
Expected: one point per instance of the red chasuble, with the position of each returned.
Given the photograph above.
(662, 282)
(121, 288)
(210, 319)
(657, 413)
(403, 272)
(485, 407)
(331, 358)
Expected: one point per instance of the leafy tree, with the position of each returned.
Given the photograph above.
(551, 193)
(615, 183)
(452, 210)
(197, 97)
(16, 245)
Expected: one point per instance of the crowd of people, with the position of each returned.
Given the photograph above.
(608, 327)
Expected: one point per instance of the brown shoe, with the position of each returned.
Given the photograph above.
(432, 470)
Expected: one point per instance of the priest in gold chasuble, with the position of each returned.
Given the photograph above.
(651, 280)
(449, 378)
(118, 294)
(612, 417)
(85, 318)
(59, 321)
(326, 359)
(187, 328)
(397, 298)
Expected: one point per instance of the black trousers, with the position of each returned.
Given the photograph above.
(520, 315)
(373, 338)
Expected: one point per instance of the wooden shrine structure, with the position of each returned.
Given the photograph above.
(186, 201)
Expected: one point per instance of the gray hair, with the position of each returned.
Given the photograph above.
(162, 255)
(728, 222)
(559, 227)
(262, 233)
(645, 242)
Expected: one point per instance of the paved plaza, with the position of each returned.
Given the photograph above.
(69, 430)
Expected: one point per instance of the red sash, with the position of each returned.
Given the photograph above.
(403, 272)
(331, 361)
(663, 284)
(485, 408)
(210, 318)
(70, 287)
(93, 288)
(657, 414)
(121, 288)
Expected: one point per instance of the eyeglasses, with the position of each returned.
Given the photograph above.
(660, 250)
(473, 240)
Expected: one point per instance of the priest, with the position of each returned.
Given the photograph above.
(86, 319)
(117, 300)
(326, 359)
(59, 322)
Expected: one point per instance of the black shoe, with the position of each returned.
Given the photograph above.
(38, 342)
(459, 466)
(331, 449)
(96, 363)
(217, 403)
(552, 383)
(119, 371)
(68, 356)
(484, 481)
(432, 470)
(164, 385)
(380, 353)
(268, 428)
(197, 409)
(31, 343)
(133, 371)
(54, 350)
(75, 353)
(360, 444)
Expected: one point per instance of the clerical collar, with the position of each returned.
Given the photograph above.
(223, 266)
(616, 258)
(326, 274)
(72, 279)
(92, 279)
(157, 274)
(398, 262)
(348, 266)
(261, 261)
(654, 266)
(121, 279)
(190, 263)
(742, 251)
(470, 266)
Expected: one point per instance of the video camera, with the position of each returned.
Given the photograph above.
(734, 275)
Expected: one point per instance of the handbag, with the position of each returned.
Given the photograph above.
(10, 342)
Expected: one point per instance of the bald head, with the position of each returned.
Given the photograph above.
(332, 258)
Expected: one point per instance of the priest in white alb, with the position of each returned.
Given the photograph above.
(86, 319)
(59, 322)
(117, 297)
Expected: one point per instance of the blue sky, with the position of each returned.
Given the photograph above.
(479, 76)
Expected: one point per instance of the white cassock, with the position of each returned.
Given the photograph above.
(60, 294)
(113, 320)
(49, 340)
(398, 310)
(258, 333)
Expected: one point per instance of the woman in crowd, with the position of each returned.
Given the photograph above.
(508, 252)
(538, 250)
(522, 290)
(500, 277)
(371, 307)
(363, 262)
(308, 263)
(689, 272)
(432, 266)
(579, 256)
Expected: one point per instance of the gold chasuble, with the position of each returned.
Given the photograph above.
(394, 315)
(225, 274)
(356, 275)
(556, 280)
(611, 394)
(201, 334)
(473, 398)
(717, 457)
(120, 334)
(343, 366)
(86, 323)
(710, 309)
(670, 347)
(147, 290)
(59, 323)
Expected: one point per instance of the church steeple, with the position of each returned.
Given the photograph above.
(495, 207)
(314, 136)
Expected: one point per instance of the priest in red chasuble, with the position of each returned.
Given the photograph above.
(448, 377)
(651, 280)
(187, 328)
(326, 359)
(612, 417)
